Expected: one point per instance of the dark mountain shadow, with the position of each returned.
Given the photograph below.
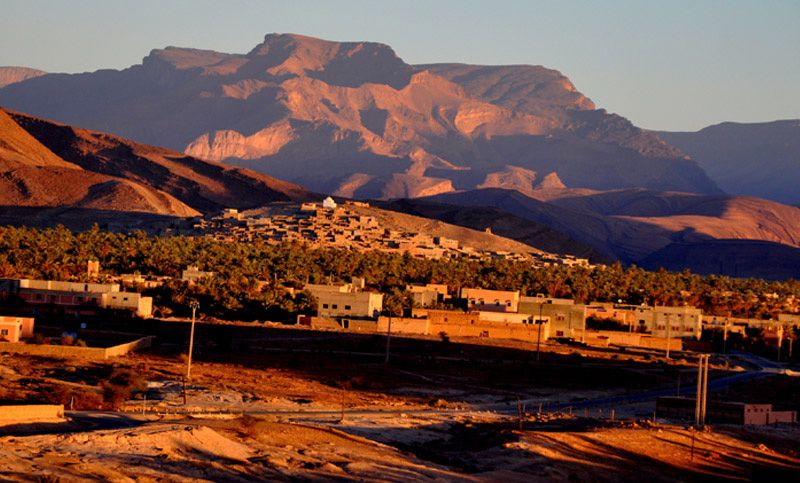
(734, 258)
(79, 219)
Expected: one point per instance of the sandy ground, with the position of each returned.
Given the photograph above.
(334, 419)
(474, 448)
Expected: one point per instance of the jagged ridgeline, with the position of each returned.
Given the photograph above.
(353, 119)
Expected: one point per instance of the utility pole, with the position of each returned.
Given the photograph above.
(701, 397)
(194, 305)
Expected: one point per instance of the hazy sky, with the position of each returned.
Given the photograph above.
(677, 65)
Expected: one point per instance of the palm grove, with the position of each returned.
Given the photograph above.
(238, 290)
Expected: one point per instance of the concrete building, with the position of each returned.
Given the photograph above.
(24, 324)
(428, 294)
(564, 314)
(479, 299)
(78, 297)
(723, 412)
(348, 300)
(452, 323)
(683, 321)
(10, 330)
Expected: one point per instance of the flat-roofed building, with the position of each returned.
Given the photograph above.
(26, 324)
(10, 330)
(564, 314)
(428, 294)
(723, 412)
(490, 300)
(132, 301)
(78, 297)
(347, 300)
(454, 323)
(683, 321)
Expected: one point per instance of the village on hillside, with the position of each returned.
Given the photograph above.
(350, 225)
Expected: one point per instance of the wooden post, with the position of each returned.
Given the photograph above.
(693, 436)
(519, 413)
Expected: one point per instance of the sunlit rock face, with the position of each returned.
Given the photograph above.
(353, 118)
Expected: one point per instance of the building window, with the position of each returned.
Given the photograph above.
(347, 307)
(335, 306)
(3, 332)
(324, 306)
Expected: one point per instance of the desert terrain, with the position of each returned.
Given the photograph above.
(297, 404)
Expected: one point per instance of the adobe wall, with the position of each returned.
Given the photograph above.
(65, 352)
(122, 349)
(491, 330)
(403, 325)
(353, 325)
(31, 412)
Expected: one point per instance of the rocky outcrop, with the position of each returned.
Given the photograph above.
(318, 112)
(12, 75)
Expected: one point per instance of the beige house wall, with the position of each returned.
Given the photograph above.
(354, 304)
(68, 286)
(10, 331)
(563, 314)
(27, 413)
(494, 300)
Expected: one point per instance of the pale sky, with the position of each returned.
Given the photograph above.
(674, 65)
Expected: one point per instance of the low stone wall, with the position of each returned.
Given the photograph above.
(344, 323)
(26, 413)
(604, 338)
(122, 349)
(64, 352)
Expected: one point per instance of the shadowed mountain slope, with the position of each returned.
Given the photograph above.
(50, 165)
(736, 258)
(632, 225)
(756, 159)
(351, 118)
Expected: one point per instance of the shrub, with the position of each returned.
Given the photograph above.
(121, 385)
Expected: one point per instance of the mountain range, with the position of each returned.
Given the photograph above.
(755, 159)
(513, 148)
(365, 123)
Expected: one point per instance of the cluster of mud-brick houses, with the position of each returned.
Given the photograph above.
(346, 226)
